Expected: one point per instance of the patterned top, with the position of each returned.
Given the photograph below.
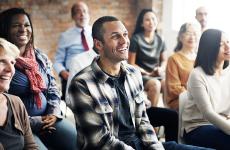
(50, 97)
(147, 54)
(94, 105)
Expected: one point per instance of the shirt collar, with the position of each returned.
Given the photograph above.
(101, 76)
(86, 28)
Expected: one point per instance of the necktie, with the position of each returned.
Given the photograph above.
(84, 42)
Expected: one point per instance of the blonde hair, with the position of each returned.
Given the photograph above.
(7, 48)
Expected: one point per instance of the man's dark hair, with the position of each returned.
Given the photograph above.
(6, 19)
(97, 30)
(208, 51)
(73, 12)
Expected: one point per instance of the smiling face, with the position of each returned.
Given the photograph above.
(6, 70)
(224, 51)
(20, 30)
(149, 22)
(115, 44)
(190, 37)
(81, 15)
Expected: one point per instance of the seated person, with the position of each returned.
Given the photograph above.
(206, 111)
(78, 63)
(108, 100)
(181, 63)
(15, 131)
(72, 42)
(35, 84)
(147, 51)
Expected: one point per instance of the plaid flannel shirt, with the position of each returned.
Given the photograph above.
(94, 105)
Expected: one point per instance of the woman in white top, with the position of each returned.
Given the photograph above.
(206, 114)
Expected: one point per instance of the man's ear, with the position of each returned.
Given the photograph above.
(98, 45)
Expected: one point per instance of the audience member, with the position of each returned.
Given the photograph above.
(207, 109)
(181, 63)
(74, 41)
(201, 17)
(35, 84)
(147, 51)
(78, 63)
(108, 99)
(15, 131)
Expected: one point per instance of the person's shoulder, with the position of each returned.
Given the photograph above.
(160, 38)
(15, 100)
(158, 35)
(88, 28)
(198, 70)
(136, 38)
(13, 97)
(138, 35)
(40, 54)
(175, 56)
(197, 73)
(130, 68)
(68, 31)
(85, 74)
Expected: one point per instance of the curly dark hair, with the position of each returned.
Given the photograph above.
(6, 19)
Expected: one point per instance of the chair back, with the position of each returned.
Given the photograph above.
(182, 99)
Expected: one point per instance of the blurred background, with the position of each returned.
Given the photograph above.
(51, 17)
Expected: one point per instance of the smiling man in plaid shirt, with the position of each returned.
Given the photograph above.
(107, 97)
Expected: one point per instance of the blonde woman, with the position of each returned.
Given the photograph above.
(15, 131)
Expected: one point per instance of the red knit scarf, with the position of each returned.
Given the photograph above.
(29, 65)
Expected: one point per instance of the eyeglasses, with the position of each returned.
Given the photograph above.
(190, 34)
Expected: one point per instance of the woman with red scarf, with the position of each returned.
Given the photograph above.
(35, 84)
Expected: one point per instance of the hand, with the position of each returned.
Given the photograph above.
(146, 73)
(154, 73)
(47, 130)
(64, 74)
(147, 103)
(48, 122)
(157, 72)
(161, 71)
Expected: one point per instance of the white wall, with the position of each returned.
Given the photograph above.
(177, 12)
(168, 33)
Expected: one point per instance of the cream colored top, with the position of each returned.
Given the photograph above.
(208, 97)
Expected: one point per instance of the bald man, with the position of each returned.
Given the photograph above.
(71, 42)
(201, 17)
